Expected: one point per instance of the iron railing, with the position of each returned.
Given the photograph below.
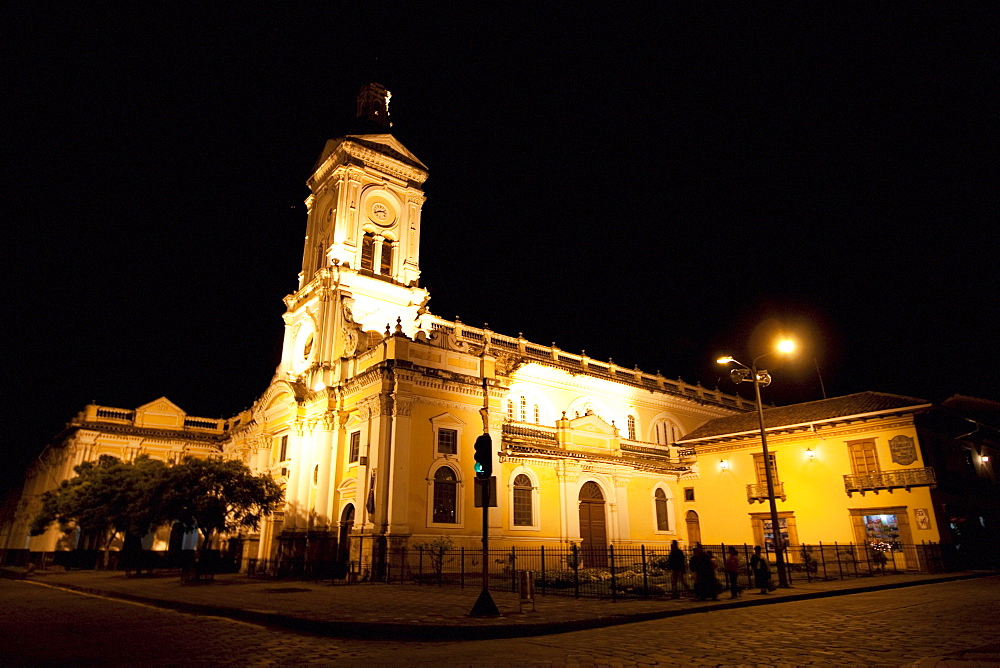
(630, 571)
(877, 480)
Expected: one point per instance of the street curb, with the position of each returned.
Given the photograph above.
(467, 631)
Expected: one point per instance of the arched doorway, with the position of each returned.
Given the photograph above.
(593, 526)
(344, 538)
(693, 526)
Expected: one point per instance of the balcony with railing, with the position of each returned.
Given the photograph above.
(757, 491)
(876, 481)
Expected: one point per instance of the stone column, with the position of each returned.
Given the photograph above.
(292, 509)
(304, 475)
(324, 456)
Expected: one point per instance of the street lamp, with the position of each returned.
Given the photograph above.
(759, 378)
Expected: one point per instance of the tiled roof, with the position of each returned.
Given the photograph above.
(812, 411)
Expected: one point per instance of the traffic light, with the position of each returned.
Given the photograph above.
(484, 456)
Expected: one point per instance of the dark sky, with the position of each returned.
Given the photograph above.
(654, 186)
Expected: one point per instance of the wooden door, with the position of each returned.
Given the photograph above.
(693, 527)
(593, 527)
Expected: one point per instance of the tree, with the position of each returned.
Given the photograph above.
(218, 496)
(106, 498)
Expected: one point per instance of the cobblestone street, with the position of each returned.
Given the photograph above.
(903, 626)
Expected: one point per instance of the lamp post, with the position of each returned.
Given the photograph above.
(761, 378)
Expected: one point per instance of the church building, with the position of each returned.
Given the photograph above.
(370, 420)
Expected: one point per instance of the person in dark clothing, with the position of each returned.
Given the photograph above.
(732, 567)
(761, 570)
(706, 584)
(676, 564)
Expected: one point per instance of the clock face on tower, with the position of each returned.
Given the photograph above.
(380, 210)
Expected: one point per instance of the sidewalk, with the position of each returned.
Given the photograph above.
(412, 612)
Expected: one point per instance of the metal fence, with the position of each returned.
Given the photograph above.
(630, 571)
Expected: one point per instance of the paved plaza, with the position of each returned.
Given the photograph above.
(889, 620)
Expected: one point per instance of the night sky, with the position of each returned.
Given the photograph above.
(659, 188)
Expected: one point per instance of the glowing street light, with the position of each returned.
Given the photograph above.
(761, 378)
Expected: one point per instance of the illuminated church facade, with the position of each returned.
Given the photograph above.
(370, 419)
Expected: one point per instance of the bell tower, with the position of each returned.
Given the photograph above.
(360, 261)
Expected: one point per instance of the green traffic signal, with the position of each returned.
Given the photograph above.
(484, 456)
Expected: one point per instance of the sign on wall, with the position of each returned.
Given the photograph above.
(903, 449)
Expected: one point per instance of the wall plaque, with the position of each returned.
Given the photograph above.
(903, 449)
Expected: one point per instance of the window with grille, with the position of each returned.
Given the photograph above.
(660, 501)
(524, 409)
(631, 427)
(445, 496)
(447, 441)
(355, 450)
(538, 416)
(523, 511)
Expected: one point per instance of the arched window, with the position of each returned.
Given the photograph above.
(445, 496)
(662, 518)
(368, 251)
(665, 432)
(385, 261)
(631, 427)
(523, 511)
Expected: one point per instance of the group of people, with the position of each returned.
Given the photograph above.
(704, 566)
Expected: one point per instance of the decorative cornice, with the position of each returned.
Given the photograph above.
(376, 159)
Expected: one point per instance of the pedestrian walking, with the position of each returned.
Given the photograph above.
(761, 571)
(706, 584)
(677, 567)
(732, 567)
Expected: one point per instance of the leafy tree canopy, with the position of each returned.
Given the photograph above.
(111, 496)
(219, 496)
(106, 496)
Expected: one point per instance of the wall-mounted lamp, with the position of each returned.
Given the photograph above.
(723, 464)
(986, 459)
(809, 453)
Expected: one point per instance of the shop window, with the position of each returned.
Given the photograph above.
(763, 531)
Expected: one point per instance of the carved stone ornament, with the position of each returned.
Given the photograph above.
(448, 341)
(903, 449)
(404, 405)
(507, 363)
(352, 331)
